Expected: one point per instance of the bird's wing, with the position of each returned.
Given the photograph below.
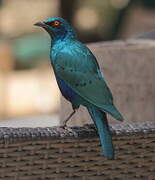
(81, 72)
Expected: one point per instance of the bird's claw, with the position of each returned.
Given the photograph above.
(64, 126)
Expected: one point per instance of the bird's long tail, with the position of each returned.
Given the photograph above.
(100, 120)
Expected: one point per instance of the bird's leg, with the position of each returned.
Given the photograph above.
(68, 118)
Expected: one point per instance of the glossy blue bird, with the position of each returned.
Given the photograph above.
(79, 78)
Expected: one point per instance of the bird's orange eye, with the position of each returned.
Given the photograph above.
(55, 23)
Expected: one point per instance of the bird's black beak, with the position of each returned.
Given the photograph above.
(41, 24)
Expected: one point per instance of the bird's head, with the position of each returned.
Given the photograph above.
(57, 27)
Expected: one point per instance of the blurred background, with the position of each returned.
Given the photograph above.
(27, 83)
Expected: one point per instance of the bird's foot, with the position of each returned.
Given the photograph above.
(64, 125)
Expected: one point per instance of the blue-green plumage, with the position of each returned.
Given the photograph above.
(79, 78)
(100, 119)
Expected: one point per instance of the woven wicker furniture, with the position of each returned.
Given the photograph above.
(74, 153)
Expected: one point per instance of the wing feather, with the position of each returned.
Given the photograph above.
(82, 74)
(79, 69)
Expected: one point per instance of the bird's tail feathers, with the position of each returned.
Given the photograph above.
(114, 112)
(100, 120)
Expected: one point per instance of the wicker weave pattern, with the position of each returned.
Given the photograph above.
(68, 157)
